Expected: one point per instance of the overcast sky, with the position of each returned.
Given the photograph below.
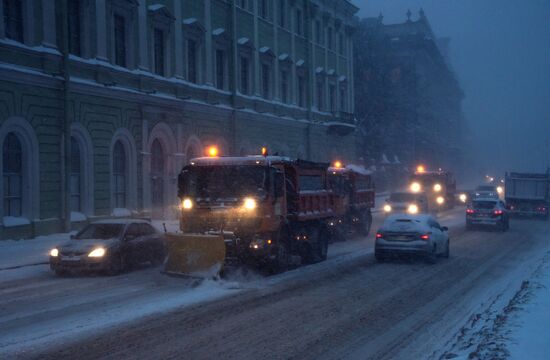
(500, 50)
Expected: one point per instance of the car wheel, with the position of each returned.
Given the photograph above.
(379, 257)
(431, 258)
(117, 265)
(447, 252)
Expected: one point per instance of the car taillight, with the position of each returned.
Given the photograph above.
(379, 236)
(470, 211)
(499, 212)
(542, 209)
(425, 237)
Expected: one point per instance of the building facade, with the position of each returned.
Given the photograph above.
(409, 101)
(150, 84)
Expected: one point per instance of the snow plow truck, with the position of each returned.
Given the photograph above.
(267, 211)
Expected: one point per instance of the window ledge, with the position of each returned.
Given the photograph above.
(12, 221)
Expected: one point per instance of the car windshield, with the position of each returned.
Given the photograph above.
(484, 205)
(100, 232)
(402, 197)
(222, 182)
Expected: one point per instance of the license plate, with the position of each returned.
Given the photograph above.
(70, 258)
(401, 238)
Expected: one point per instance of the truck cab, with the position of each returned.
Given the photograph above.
(439, 186)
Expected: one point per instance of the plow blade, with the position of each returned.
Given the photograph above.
(194, 255)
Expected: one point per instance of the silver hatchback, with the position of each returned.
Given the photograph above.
(419, 235)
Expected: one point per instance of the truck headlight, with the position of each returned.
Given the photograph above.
(463, 197)
(387, 208)
(415, 187)
(97, 253)
(412, 209)
(437, 187)
(249, 203)
(187, 204)
(54, 252)
(440, 200)
(500, 190)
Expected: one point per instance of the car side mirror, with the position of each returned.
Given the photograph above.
(444, 228)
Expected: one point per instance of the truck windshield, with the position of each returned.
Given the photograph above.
(222, 182)
(402, 197)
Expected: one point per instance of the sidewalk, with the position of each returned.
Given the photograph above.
(26, 252)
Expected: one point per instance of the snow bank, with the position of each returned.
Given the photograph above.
(530, 337)
(10, 221)
(17, 253)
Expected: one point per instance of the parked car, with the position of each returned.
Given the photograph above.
(406, 202)
(109, 245)
(487, 212)
(419, 235)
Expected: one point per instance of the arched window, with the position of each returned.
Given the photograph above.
(120, 173)
(76, 176)
(157, 176)
(13, 176)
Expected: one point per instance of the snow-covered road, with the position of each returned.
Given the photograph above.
(346, 307)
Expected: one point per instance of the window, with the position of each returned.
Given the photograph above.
(301, 91)
(329, 38)
(282, 11)
(244, 75)
(266, 81)
(220, 69)
(120, 172)
(246, 4)
(320, 95)
(13, 19)
(332, 97)
(120, 40)
(284, 86)
(74, 27)
(76, 176)
(318, 35)
(13, 176)
(299, 22)
(159, 52)
(192, 61)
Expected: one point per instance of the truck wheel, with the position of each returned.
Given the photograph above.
(283, 258)
(365, 223)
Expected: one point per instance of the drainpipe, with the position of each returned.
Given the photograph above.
(66, 128)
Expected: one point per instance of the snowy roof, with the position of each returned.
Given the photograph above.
(407, 223)
(238, 160)
(121, 221)
(218, 31)
(300, 62)
(155, 7)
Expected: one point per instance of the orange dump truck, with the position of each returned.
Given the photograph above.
(269, 211)
(354, 188)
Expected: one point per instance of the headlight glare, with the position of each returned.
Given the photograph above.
(440, 200)
(249, 203)
(187, 204)
(387, 208)
(415, 187)
(96, 253)
(54, 253)
(412, 209)
(437, 187)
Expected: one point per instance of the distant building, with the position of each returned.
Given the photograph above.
(409, 102)
(151, 84)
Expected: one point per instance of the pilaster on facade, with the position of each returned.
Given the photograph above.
(48, 24)
(276, 70)
(101, 29)
(178, 40)
(143, 60)
(292, 21)
(2, 25)
(208, 78)
(256, 55)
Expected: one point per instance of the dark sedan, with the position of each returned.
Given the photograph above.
(109, 245)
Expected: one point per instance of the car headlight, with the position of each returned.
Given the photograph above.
(387, 208)
(187, 204)
(440, 200)
(437, 187)
(249, 203)
(412, 209)
(463, 197)
(54, 252)
(415, 187)
(96, 253)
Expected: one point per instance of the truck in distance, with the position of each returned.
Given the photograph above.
(528, 194)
